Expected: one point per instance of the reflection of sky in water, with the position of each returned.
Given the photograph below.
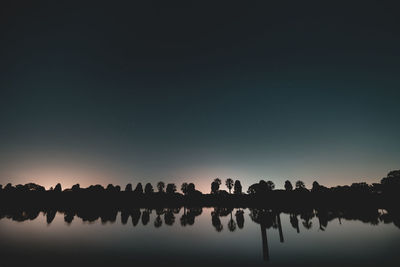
(352, 241)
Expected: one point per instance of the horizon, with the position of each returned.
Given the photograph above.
(199, 188)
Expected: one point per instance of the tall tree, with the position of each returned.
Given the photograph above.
(184, 188)
(171, 188)
(57, 188)
(139, 189)
(288, 185)
(237, 189)
(229, 184)
(215, 185)
(315, 186)
(148, 189)
(128, 188)
(270, 185)
(160, 186)
(300, 185)
(191, 188)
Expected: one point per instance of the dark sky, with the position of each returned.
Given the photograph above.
(118, 92)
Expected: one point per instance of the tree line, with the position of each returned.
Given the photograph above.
(389, 183)
(383, 194)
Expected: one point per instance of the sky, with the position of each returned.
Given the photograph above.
(118, 92)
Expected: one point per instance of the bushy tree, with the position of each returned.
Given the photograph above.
(57, 188)
(191, 188)
(171, 188)
(148, 189)
(237, 189)
(139, 189)
(229, 184)
(215, 185)
(160, 187)
(128, 188)
(300, 185)
(288, 185)
(184, 188)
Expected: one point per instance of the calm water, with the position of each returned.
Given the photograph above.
(200, 236)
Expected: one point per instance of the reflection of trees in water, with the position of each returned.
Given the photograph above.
(169, 217)
(146, 216)
(216, 221)
(306, 216)
(240, 218)
(189, 215)
(294, 222)
(157, 222)
(232, 224)
(135, 214)
(267, 217)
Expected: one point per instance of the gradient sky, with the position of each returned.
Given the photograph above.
(117, 93)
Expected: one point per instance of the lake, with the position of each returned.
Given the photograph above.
(201, 236)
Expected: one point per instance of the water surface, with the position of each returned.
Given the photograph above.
(202, 236)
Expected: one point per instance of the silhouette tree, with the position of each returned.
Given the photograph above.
(57, 188)
(362, 187)
(139, 189)
(160, 187)
(229, 184)
(391, 183)
(237, 189)
(300, 185)
(315, 186)
(8, 187)
(128, 188)
(270, 185)
(171, 189)
(253, 189)
(215, 185)
(110, 188)
(288, 185)
(184, 188)
(191, 188)
(76, 188)
(148, 189)
(261, 187)
(95, 188)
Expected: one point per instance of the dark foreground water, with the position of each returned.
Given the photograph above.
(202, 237)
